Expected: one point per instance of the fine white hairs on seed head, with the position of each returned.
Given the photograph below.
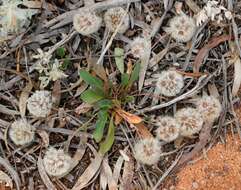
(139, 46)
(113, 17)
(86, 22)
(21, 132)
(168, 128)
(209, 107)
(40, 103)
(190, 121)
(56, 162)
(147, 151)
(181, 28)
(169, 83)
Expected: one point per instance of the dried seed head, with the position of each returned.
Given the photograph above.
(148, 151)
(190, 121)
(57, 163)
(139, 46)
(169, 83)
(21, 132)
(209, 107)
(168, 128)
(86, 22)
(40, 103)
(114, 16)
(181, 28)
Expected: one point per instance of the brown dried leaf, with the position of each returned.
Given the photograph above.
(128, 173)
(118, 119)
(144, 64)
(130, 118)
(108, 172)
(103, 180)
(24, 97)
(5, 110)
(204, 51)
(142, 131)
(237, 76)
(89, 173)
(83, 108)
(56, 94)
(45, 137)
(204, 137)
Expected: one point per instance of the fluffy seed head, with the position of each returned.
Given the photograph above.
(181, 28)
(56, 162)
(21, 132)
(190, 121)
(209, 107)
(168, 128)
(40, 103)
(148, 151)
(139, 46)
(169, 83)
(86, 22)
(114, 16)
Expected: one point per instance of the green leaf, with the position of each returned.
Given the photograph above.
(109, 140)
(129, 99)
(60, 52)
(90, 96)
(104, 104)
(91, 80)
(100, 125)
(124, 79)
(119, 59)
(135, 73)
(65, 64)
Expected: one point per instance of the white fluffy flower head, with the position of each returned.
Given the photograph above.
(86, 22)
(114, 16)
(148, 151)
(209, 107)
(56, 162)
(181, 28)
(190, 121)
(40, 103)
(140, 46)
(168, 128)
(21, 132)
(169, 83)
(55, 73)
(13, 18)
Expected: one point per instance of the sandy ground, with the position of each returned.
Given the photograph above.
(220, 170)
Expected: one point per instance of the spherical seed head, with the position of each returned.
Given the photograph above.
(139, 46)
(209, 107)
(169, 83)
(86, 22)
(40, 103)
(190, 121)
(181, 28)
(114, 16)
(168, 128)
(56, 162)
(148, 151)
(21, 132)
